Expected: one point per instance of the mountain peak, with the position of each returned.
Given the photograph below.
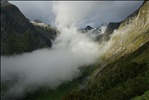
(88, 27)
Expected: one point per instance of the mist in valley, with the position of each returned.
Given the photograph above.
(53, 66)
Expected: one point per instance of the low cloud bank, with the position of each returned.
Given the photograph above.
(49, 67)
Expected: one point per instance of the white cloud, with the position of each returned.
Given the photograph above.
(49, 67)
(71, 49)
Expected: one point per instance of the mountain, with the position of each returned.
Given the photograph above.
(122, 79)
(86, 29)
(45, 29)
(102, 32)
(121, 73)
(99, 28)
(109, 30)
(18, 35)
(131, 34)
(124, 71)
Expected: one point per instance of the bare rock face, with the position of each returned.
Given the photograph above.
(139, 19)
(18, 35)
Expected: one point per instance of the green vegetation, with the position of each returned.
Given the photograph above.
(18, 43)
(145, 96)
(47, 31)
(122, 79)
(18, 35)
(45, 93)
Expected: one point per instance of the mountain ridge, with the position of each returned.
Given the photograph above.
(124, 74)
(18, 35)
(122, 71)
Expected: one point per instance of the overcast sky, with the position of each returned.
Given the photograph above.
(83, 13)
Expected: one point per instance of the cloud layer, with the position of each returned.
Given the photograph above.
(71, 49)
(49, 67)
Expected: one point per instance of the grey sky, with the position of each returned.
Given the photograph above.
(85, 13)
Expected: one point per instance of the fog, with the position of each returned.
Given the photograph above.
(50, 66)
(53, 66)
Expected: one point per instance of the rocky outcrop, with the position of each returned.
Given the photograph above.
(18, 35)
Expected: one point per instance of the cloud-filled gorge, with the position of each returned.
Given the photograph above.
(53, 66)
(50, 66)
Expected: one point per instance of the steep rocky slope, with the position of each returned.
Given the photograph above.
(18, 35)
(45, 29)
(124, 73)
(132, 33)
(123, 79)
(109, 30)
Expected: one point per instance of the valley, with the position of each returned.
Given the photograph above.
(43, 62)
